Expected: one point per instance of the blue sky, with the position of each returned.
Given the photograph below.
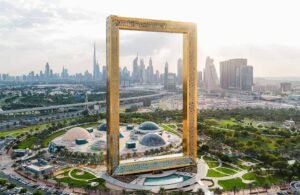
(62, 32)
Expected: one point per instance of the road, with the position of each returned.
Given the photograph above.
(81, 104)
(14, 123)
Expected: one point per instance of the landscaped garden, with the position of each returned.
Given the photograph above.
(230, 184)
(213, 173)
(78, 178)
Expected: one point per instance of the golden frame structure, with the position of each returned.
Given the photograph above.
(189, 30)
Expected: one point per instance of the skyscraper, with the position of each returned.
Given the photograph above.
(236, 74)
(179, 71)
(166, 75)
(96, 67)
(135, 69)
(246, 78)
(47, 70)
(230, 73)
(150, 72)
(211, 79)
(142, 71)
(104, 74)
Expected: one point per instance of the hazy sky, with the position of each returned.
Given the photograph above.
(62, 32)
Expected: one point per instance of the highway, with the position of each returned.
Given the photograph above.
(80, 104)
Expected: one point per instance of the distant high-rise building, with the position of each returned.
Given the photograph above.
(149, 72)
(211, 79)
(246, 78)
(157, 76)
(199, 77)
(166, 75)
(171, 82)
(96, 67)
(179, 71)
(285, 87)
(235, 74)
(230, 73)
(64, 73)
(135, 70)
(142, 71)
(47, 70)
(104, 74)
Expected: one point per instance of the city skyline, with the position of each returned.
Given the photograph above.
(62, 33)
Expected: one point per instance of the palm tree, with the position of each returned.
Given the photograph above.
(266, 186)
(162, 191)
(250, 187)
(218, 191)
(200, 192)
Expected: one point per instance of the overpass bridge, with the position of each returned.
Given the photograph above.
(123, 100)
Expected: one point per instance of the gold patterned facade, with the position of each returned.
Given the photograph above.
(189, 31)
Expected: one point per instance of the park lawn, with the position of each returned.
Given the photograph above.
(230, 167)
(213, 173)
(225, 170)
(249, 176)
(85, 176)
(27, 143)
(248, 159)
(173, 126)
(80, 183)
(239, 162)
(76, 183)
(262, 180)
(208, 158)
(19, 131)
(52, 137)
(94, 124)
(232, 183)
(227, 123)
(212, 164)
(168, 128)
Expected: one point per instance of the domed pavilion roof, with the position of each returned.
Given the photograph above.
(152, 140)
(76, 133)
(148, 125)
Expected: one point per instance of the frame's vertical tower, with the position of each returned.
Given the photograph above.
(189, 31)
(113, 95)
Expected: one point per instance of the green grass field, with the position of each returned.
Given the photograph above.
(90, 125)
(167, 128)
(213, 173)
(27, 143)
(232, 183)
(262, 180)
(19, 131)
(225, 170)
(85, 176)
(207, 158)
(249, 176)
(80, 183)
(212, 164)
(230, 167)
(51, 137)
(227, 123)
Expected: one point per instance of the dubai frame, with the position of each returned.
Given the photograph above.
(189, 30)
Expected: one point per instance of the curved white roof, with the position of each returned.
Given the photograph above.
(76, 133)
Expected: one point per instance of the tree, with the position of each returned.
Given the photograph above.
(218, 191)
(280, 165)
(200, 192)
(23, 191)
(37, 193)
(161, 191)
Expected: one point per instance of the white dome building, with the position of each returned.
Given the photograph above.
(76, 139)
(76, 133)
